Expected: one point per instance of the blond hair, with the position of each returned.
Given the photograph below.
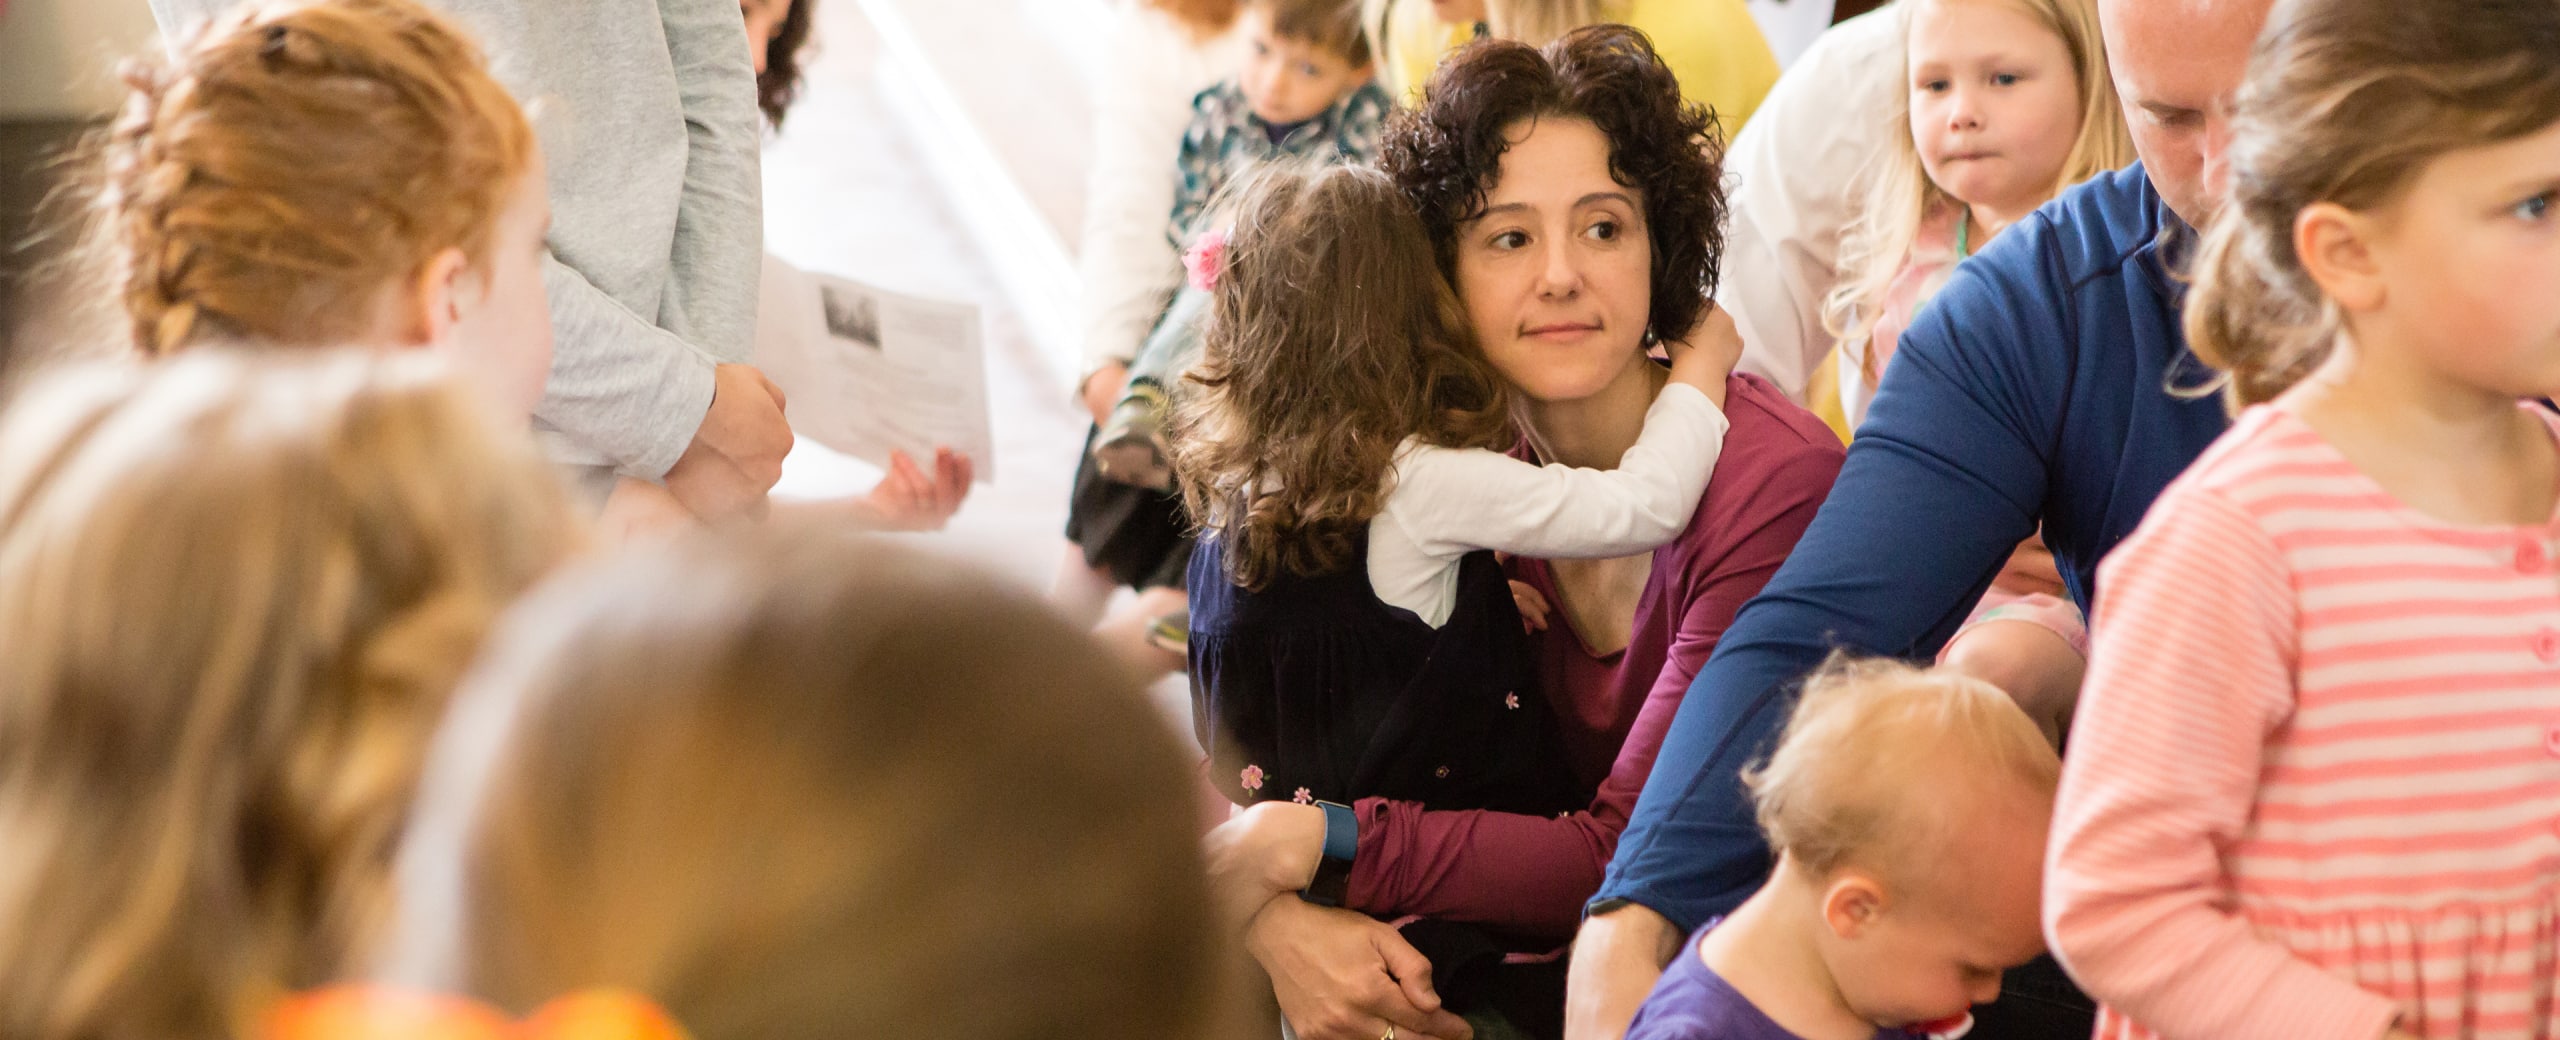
(271, 176)
(1839, 790)
(1901, 197)
(234, 596)
(793, 784)
(2345, 102)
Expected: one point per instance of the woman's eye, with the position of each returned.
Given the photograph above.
(2536, 209)
(1508, 240)
(1935, 86)
(1310, 71)
(1605, 230)
(2004, 79)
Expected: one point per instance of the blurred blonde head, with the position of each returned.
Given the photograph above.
(234, 596)
(792, 784)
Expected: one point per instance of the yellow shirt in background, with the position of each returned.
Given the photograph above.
(1713, 46)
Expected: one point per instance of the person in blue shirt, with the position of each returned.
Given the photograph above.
(2040, 386)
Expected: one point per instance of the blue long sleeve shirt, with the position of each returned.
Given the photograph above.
(2036, 387)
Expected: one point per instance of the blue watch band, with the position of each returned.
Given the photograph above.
(1332, 883)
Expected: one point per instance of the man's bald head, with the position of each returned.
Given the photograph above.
(2177, 64)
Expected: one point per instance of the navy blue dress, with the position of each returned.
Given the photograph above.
(1314, 688)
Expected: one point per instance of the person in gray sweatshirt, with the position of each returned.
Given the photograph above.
(647, 113)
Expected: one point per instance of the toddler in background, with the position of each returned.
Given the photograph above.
(786, 784)
(2313, 786)
(1304, 95)
(1307, 93)
(1908, 811)
(2006, 103)
(235, 591)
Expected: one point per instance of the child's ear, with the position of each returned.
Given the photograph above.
(446, 287)
(2335, 245)
(1851, 904)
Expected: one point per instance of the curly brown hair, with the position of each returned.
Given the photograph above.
(1331, 340)
(1447, 154)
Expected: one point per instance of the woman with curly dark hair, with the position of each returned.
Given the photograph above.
(1573, 200)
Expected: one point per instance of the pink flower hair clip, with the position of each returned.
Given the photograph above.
(1208, 253)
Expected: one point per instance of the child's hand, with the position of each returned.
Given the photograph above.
(1533, 607)
(1103, 388)
(908, 500)
(1705, 358)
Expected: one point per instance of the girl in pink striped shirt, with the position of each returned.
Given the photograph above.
(2314, 786)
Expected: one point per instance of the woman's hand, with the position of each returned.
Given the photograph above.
(1340, 975)
(907, 500)
(1268, 850)
(1705, 358)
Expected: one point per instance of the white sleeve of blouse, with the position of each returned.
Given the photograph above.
(1448, 502)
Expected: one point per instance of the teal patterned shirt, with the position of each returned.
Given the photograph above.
(1226, 140)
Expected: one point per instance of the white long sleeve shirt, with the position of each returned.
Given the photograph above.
(1127, 267)
(1448, 502)
(1799, 175)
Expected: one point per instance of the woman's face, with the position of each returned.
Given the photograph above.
(1557, 275)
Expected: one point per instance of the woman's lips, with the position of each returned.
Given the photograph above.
(1558, 332)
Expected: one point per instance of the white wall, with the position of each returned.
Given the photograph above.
(58, 57)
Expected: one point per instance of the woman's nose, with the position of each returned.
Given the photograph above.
(1561, 274)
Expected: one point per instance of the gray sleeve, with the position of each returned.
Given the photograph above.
(620, 386)
(718, 252)
(631, 372)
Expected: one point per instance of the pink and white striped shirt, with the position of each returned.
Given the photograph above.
(2314, 782)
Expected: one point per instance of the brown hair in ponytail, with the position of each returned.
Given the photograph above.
(287, 165)
(2346, 101)
(235, 593)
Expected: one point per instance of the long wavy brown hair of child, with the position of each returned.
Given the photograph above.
(235, 594)
(793, 784)
(1331, 339)
(273, 173)
(2345, 101)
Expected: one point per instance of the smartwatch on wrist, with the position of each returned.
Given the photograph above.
(1332, 882)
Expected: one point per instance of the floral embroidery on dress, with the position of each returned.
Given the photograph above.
(1252, 777)
(1303, 797)
(1511, 701)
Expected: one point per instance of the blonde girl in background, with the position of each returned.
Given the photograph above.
(2006, 104)
(235, 592)
(1713, 47)
(2315, 774)
(784, 783)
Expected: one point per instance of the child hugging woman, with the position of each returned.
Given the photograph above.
(1351, 632)
(2006, 104)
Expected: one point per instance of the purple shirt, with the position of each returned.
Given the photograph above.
(1692, 1002)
